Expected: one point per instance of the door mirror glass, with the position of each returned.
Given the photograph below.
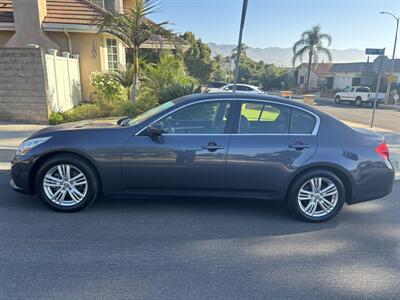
(155, 129)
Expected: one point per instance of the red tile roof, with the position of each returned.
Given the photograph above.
(80, 12)
(319, 69)
(6, 11)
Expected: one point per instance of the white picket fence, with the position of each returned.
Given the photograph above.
(64, 82)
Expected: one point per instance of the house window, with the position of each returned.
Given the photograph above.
(112, 54)
(301, 79)
(106, 4)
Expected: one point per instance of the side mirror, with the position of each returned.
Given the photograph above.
(155, 129)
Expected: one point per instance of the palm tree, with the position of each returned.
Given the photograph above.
(243, 54)
(311, 43)
(134, 29)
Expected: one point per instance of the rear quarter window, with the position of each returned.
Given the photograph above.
(302, 122)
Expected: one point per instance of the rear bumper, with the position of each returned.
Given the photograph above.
(373, 185)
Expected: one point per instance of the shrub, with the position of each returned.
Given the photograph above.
(176, 90)
(107, 88)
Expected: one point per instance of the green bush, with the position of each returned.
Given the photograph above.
(176, 90)
(107, 88)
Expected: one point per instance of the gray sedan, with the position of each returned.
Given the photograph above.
(222, 145)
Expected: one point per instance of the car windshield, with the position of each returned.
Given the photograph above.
(150, 113)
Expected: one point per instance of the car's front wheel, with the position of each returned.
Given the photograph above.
(316, 196)
(337, 100)
(67, 183)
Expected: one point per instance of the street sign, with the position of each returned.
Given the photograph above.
(374, 51)
(392, 78)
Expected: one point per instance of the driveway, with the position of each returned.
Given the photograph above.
(138, 248)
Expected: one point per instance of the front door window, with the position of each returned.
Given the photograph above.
(202, 118)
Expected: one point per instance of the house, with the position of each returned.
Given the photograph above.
(67, 25)
(318, 76)
(337, 76)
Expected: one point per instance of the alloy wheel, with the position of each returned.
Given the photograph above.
(318, 197)
(65, 185)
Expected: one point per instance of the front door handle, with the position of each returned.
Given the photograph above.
(212, 147)
(299, 146)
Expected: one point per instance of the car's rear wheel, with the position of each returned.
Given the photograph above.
(67, 183)
(358, 101)
(316, 196)
(337, 100)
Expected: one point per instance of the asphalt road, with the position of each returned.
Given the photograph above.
(123, 248)
(384, 118)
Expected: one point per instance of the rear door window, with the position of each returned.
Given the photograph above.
(264, 118)
(271, 118)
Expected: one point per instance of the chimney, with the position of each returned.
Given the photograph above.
(28, 18)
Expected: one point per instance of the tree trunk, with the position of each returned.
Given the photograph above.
(310, 55)
(135, 78)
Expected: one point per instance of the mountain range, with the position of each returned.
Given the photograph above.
(283, 56)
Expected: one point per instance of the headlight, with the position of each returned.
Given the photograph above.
(29, 144)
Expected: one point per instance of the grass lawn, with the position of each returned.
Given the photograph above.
(253, 114)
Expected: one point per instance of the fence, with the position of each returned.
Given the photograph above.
(63, 79)
(33, 84)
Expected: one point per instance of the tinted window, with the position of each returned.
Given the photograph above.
(362, 90)
(301, 122)
(202, 118)
(259, 118)
(244, 88)
(216, 84)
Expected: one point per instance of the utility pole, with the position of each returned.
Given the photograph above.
(239, 52)
(380, 53)
(377, 90)
(393, 55)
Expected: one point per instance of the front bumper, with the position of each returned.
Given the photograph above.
(20, 175)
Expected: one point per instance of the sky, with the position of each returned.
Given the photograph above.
(279, 23)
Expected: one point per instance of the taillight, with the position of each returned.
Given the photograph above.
(382, 150)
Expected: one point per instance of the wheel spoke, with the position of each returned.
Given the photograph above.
(324, 207)
(68, 172)
(314, 207)
(309, 205)
(73, 196)
(313, 186)
(51, 181)
(60, 169)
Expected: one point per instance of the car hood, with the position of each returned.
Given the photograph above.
(107, 123)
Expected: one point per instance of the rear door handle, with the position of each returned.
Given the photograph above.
(299, 146)
(212, 147)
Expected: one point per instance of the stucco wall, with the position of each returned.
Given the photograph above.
(313, 78)
(341, 80)
(82, 44)
(23, 94)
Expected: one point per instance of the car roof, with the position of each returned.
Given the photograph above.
(239, 96)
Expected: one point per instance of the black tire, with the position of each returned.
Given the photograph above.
(358, 102)
(93, 186)
(292, 199)
(337, 100)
